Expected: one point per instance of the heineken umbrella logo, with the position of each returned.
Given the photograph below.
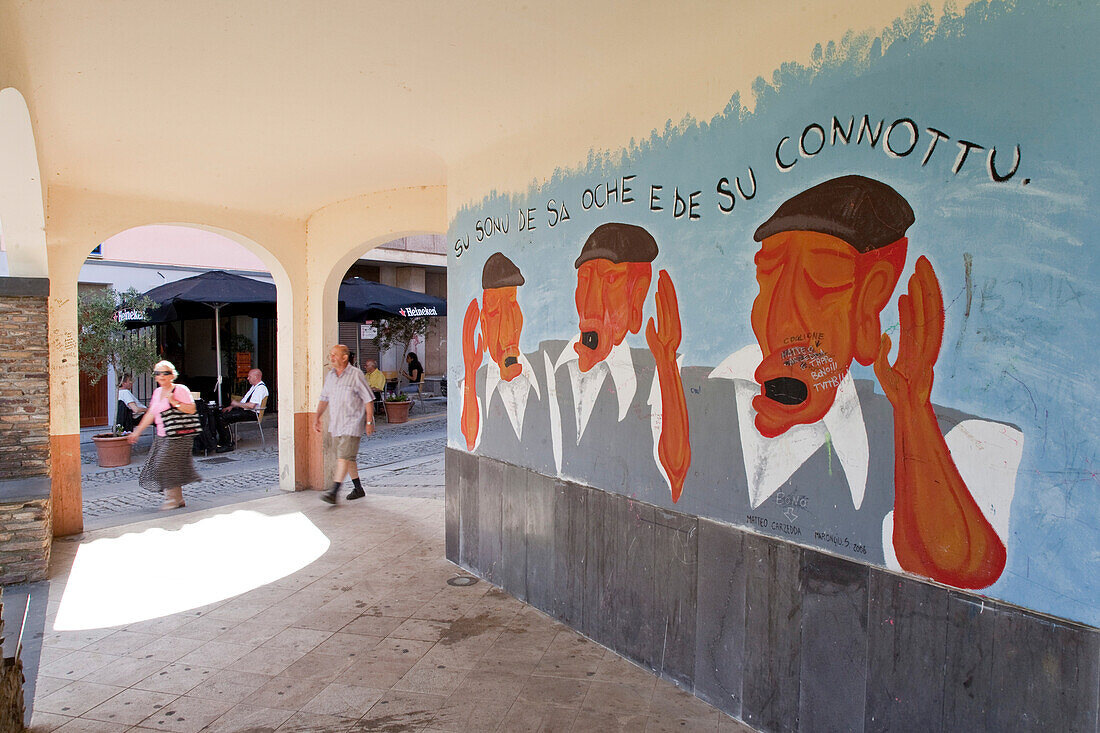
(414, 311)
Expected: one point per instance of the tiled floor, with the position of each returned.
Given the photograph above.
(369, 637)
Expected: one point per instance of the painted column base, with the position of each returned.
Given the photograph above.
(308, 456)
(68, 507)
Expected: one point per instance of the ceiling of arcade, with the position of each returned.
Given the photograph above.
(283, 108)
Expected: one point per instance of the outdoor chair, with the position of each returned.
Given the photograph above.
(259, 423)
(125, 417)
(419, 390)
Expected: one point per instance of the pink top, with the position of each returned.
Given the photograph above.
(158, 404)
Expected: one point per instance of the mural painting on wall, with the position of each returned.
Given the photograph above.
(613, 281)
(874, 343)
(829, 260)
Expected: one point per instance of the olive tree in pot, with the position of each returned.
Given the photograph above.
(106, 343)
(400, 331)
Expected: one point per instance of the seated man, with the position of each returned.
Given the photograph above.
(245, 409)
(376, 378)
(130, 408)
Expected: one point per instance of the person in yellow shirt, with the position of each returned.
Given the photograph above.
(375, 378)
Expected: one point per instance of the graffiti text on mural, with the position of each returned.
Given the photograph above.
(800, 501)
(899, 139)
(774, 525)
(844, 542)
(595, 197)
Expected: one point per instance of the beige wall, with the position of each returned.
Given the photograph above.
(22, 217)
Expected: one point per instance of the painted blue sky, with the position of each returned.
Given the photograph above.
(996, 75)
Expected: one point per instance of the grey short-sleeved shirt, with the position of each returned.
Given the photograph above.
(346, 394)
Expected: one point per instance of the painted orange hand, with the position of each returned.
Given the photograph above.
(471, 351)
(939, 529)
(663, 337)
(471, 356)
(909, 380)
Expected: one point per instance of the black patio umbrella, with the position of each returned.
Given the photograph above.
(362, 300)
(211, 294)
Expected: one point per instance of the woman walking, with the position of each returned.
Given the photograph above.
(169, 466)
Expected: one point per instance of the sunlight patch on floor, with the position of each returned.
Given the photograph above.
(160, 572)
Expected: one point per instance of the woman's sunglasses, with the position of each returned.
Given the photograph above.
(161, 374)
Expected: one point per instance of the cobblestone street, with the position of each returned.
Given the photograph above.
(408, 457)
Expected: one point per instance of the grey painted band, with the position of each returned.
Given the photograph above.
(31, 488)
(25, 286)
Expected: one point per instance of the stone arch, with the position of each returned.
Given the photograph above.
(336, 236)
(351, 228)
(69, 247)
(284, 320)
(341, 264)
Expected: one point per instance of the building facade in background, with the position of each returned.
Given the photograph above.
(147, 257)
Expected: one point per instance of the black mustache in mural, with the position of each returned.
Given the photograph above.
(786, 390)
(590, 340)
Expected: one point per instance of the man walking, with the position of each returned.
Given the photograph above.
(348, 400)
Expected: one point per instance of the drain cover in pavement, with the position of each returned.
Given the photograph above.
(461, 580)
(219, 459)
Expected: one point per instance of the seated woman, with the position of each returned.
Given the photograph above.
(414, 373)
(129, 406)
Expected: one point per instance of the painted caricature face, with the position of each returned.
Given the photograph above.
(501, 323)
(609, 299)
(817, 310)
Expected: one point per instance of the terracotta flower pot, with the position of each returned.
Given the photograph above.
(398, 412)
(112, 450)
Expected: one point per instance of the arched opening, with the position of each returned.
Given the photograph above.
(417, 263)
(236, 451)
(412, 428)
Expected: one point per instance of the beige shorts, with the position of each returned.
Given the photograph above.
(345, 446)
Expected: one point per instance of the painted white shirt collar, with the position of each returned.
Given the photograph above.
(770, 462)
(587, 385)
(513, 394)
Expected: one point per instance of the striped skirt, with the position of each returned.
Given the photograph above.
(169, 465)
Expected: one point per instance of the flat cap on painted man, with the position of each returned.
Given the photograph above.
(865, 213)
(618, 243)
(500, 272)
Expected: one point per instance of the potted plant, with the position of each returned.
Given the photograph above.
(397, 408)
(105, 343)
(112, 449)
(400, 331)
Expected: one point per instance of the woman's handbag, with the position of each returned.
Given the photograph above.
(180, 424)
